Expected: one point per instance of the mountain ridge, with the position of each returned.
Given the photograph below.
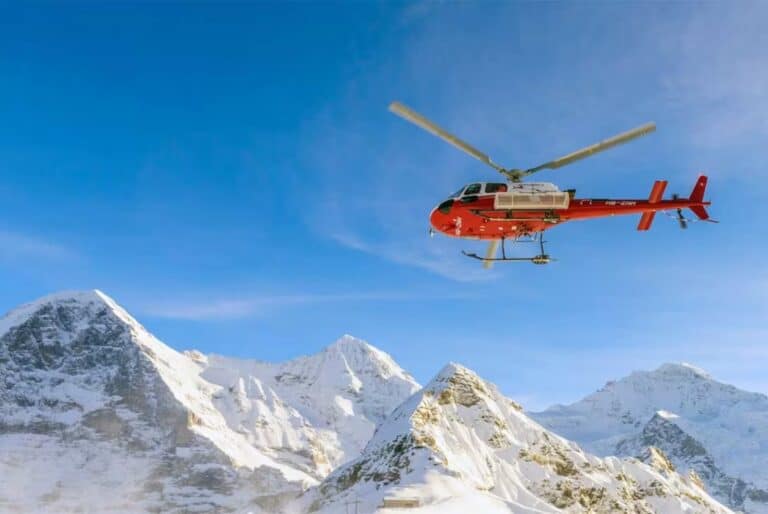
(726, 424)
(82, 379)
(459, 439)
(98, 411)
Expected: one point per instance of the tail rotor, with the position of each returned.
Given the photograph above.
(682, 220)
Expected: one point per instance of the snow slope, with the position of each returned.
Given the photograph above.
(459, 444)
(317, 411)
(717, 430)
(96, 413)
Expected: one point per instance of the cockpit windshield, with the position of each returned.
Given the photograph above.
(472, 189)
(457, 193)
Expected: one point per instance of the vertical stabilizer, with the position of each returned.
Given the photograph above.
(697, 195)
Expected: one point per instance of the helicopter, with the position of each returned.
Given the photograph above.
(520, 211)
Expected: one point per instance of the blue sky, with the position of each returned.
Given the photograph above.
(231, 175)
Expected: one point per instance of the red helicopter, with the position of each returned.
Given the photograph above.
(522, 211)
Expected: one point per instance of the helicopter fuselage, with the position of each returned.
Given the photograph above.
(508, 211)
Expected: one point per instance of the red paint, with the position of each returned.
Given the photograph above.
(656, 195)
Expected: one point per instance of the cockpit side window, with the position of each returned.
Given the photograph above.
(495, 188)
(472, 189)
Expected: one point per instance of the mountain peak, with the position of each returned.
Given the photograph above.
(87, 298)
(455, 383)
(682, 369)
(349, 343)
(75, 329)
(336, 398)
(669, 416)
(69, 296)
(711, 420)
(452, 369)
(358, 357)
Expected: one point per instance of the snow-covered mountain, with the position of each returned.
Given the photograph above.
(715, 429)
(313, 412)
(458, 445)
(96, 414)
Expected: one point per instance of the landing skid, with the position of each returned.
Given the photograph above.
(542, 258)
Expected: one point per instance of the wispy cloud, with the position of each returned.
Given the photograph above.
(438, 259)
(205, 310)
(717, 74)
(228, 308)
(15, 246)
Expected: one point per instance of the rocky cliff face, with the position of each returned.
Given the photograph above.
(460, 444)
(712, 429)
(689, 455)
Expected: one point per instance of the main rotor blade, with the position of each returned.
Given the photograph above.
(493, 246)
(596, 148)
(407, 113)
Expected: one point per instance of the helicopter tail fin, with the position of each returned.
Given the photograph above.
(697, 195)
(655, 197)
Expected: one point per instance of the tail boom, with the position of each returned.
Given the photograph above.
(695, 202)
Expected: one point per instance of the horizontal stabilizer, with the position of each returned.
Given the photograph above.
(645, 220)
(658, 191)
(700, 212)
